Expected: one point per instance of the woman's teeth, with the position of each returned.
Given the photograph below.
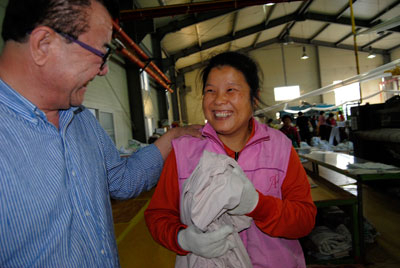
(222, 114)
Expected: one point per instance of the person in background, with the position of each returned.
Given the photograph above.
(290, 131)
(304, 125)
(276, 192)
(269, 122)
(330, 121)
(314, 123)
(341, 116)
(323, 128)
(58, 166)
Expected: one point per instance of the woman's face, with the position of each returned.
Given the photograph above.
(226, 102)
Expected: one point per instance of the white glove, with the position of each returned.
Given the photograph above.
(249, 197)
(207, 245)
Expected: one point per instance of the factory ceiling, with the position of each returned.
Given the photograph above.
(190, 31)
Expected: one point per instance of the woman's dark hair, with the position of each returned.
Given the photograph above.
(67, 16)
(240, 62)
(286, 116)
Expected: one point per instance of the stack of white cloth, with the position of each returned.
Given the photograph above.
(206, 196)
(371, 168)
(331, 242)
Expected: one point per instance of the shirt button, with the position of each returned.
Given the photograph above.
(102, 251)
(87, 213)
(73, 173)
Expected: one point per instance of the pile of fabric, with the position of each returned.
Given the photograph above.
(206, 196)
(331, 243)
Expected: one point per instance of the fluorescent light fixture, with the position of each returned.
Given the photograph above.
(304, 56)
(371, 54)
(287, 40)
(270, 4)
(286, 93)
(144, 81)
(386, 25)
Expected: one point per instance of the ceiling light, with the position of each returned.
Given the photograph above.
(270, 4)
(287, 40)
(304, 56)
(371, 54)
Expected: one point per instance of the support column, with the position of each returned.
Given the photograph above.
(161, 96)
(136, 102)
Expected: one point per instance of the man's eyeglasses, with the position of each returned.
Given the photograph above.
(104, 56)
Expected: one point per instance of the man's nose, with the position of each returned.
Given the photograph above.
(104, 70)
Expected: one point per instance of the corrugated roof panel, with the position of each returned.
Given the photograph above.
(306, 29)
(249, 16)
(215, 27)
(284, 9)
(328, 7)
(333, 33)
(174, 42)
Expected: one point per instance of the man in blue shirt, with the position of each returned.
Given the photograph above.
(58, 167)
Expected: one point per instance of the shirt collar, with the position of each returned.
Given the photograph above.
(22, 106)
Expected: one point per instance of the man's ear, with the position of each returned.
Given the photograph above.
(40, 41)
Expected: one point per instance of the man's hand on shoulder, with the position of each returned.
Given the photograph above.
(164, 142)
(192, 130)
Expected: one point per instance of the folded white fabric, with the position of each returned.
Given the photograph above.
(331, 242)
(371, 168)
(206, 196)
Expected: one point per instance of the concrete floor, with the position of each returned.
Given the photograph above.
(137, 249)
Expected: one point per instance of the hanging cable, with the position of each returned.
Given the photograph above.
(353, 28)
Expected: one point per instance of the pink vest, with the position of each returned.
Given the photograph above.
(264, 160)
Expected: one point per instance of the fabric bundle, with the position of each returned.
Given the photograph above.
(205, 198)
(331, 242)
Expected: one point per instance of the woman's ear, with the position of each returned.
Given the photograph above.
(256, 99)
(40, 40)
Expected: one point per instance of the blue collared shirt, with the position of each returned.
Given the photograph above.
(55, 186)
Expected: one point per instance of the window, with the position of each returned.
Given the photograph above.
(286, 93)
(149, 126)
(106, 120)
(347, 93)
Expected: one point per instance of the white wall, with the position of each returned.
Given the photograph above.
(339, 64)
(194, 97)
(324, 66)
(395, 54)
(110, 94)
(298, 72)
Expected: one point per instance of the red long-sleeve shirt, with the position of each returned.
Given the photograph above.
(276, 217)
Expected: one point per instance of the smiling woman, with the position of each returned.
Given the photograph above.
(272, 184)
(227, 106)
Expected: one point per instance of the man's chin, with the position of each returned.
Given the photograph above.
(76, 103)
(78, 98)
